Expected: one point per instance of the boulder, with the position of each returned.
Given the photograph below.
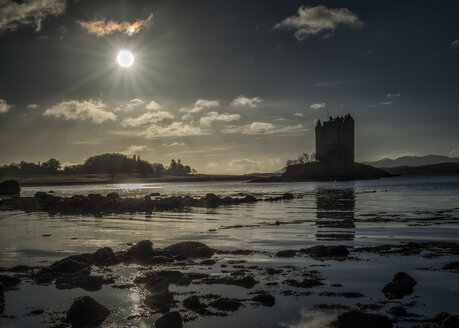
(85, 311)
(8, 281)
(141, 251)
(9, 187)
(91, 283)
(170, 320)
(190, 249)
(357, 319)
(401, 285)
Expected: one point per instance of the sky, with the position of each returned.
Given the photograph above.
(226, 86)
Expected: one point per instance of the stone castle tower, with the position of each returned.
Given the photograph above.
(335, 139)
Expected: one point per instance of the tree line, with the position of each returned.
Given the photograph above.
(113, 164)
(302, 159)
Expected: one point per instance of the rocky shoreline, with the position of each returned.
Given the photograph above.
(99, 205)
(186, 264)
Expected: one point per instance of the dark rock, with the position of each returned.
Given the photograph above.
(160, 301)
(2, 299)
(9, 187)
(85, 311)
(157, 284)
(190, 249)
(287, 195)
(398, 311)
(326, 251)
(286, 253)
(453, 266)
(141, 251)
(20, 268)
(153, 194)
(446, 320)
(306, 283)
(113, 196)
(226, 304)
(264, 298)
(193, 303)
(401, 285)
(249, 199)
(172, 276)
(68, 266)
(170, 320)
(91, 283)
(357, 319)
(212, 199)
(8, 281)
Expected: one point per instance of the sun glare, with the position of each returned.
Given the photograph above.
(125, 58)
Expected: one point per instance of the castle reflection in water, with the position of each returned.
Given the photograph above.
(335, 214)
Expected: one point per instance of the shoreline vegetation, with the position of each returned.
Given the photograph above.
(120, 169)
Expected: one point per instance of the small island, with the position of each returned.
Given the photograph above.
(333, 159)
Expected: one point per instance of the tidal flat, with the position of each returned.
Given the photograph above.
(382, 251)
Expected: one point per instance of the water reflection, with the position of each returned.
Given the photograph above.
(335, 214)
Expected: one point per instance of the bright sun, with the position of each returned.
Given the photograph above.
(125, 58)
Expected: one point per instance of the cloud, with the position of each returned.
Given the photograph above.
(88, 142)
(102, 28)
(261, 128)
(175, 144)
(243, 101)
(390, 102)
(244, 164)
(299, 114)
(153, 105)
(384, 103)
(130, 105)
(4, 107)
(319, 19)
(199, 105)
(454, 153)
(33, 106)
(394, 95)
(147, 118)
(175, 129)
(212, 117)
(134, 149)
(15, 15)
(90, 109)
(455, 44)
(318, 106)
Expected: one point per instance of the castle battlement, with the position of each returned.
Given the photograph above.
(335, 139)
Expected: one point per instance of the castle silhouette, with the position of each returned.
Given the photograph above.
(335, 139)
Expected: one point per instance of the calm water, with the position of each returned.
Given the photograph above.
(403, 209)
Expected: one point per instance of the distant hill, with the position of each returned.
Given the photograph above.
(442, 168)
(414, 161)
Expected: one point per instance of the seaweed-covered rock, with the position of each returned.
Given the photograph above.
(8, 281)
(287, 195)
(194, 303)
(226, 304)
(160, 301)
(2, 298)
(286, 253)
(326, 251)
(170, 320)
(357, 319)
(264, 298)
(401, 285)
(68, 266)
(190, 249)
(9, 187)
(85, 311)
